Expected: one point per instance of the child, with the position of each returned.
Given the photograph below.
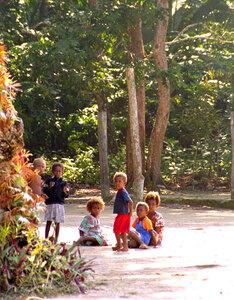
(153, 201)
(39, 166)
(123, 207)
(56, 189)
(90, 230)
(33, 176)
(143, 232)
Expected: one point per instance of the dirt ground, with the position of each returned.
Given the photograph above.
(195, 261)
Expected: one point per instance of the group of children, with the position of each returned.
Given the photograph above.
(146, 229)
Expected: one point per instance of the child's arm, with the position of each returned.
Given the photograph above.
(46, 187)
(153, 238)
(159, 229)
(66, 190)
(35, 185)
(130, 207)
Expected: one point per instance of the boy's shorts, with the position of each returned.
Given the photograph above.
(122, 224)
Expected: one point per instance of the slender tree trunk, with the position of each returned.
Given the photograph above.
(153, 163)
(111, 136)
(232, 172)
(103, 148)
(170, 21)
(138, 183)
(136, 51)
(102, 136)
(43, 10)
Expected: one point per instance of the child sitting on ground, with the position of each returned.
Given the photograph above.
(143, 232)
(153, 201)
(90, 229)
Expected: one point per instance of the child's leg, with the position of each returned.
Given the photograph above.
(47, 229)
(84, 239)
(57, 228)
(125, 242)
(133, 235)
(119, 244)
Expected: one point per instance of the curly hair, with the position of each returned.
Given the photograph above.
(144, 204)
(120, 174)
(96, 200)
(57, 164)
(38, 161)
(153, 196)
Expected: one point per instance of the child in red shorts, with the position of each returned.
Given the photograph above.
(123, 208)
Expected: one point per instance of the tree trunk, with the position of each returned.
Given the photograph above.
(153, 163)
(43, 10)
(103, 148)
(138, 183)
(111, 136)
(232, 172)
(136, 51)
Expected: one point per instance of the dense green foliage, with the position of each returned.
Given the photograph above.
(65, 53)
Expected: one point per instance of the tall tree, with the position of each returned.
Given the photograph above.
(153, 175)
(136, 52)
(232, 171)
(103, 146)
(138, 181)
(102, 134)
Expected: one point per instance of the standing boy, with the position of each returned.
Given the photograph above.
(123, 208)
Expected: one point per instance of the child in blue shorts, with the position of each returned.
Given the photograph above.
(142, 231)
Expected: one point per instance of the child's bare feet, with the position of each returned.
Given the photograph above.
(116, 248)
(123, 250)
(143, 246)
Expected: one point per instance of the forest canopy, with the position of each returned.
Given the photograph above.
(63, 53)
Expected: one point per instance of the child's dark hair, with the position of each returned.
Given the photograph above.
(120, 174)
(153, 196)
(57, 165)
(96, 200)
(144, 204)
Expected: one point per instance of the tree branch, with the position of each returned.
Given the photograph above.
(185, 29)
(196, 37)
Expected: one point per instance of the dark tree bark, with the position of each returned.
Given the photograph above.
(43, 10)
(153, 163)
(103, 148)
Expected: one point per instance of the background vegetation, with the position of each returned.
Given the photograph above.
(63, 51)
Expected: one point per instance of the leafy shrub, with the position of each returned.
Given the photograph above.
(39, 266)
(82, 168)
(208, 158)
(117, 162)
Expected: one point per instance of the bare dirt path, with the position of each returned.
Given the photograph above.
(196, 260)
